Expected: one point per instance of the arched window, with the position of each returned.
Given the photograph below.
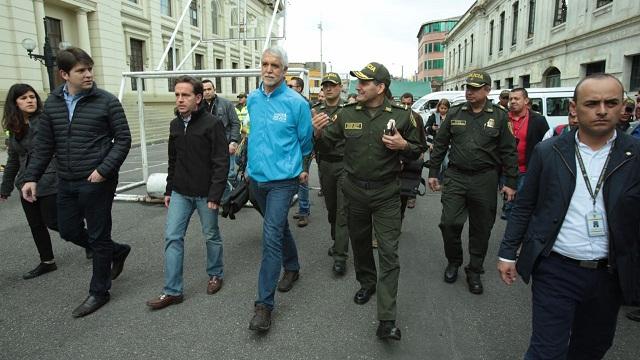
(215, 13)
(551, 77)
(233, 31)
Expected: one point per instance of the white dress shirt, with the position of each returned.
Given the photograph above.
(573, 239)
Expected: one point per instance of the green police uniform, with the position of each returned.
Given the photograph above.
(330, 165)
(372, 191)
(480, 146)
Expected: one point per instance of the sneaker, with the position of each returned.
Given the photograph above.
(288, 278)
(261, 321)
(41, 269)
(163, 301)
(303, 221)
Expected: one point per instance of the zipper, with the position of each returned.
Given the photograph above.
(564, 160)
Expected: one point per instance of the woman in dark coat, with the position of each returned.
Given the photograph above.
(22, 109)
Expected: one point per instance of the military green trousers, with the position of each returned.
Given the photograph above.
(331, 183)
(377, 210)
(473, 195)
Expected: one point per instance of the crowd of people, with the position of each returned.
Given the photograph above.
(569, 192)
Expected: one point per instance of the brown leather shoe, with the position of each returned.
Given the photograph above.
(164, 300)
(214, 285)
(303, 221)
(288, 278)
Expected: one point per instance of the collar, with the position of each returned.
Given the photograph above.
(513, 117)
(585, 146)
(488, 106)
(280, 89)
(385, 106)
(66, 94)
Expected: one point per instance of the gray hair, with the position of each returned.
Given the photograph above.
(278, 52)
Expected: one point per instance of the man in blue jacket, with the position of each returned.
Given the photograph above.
(281, 138)
(576, 222)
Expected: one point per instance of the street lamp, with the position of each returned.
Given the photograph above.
(48, 59)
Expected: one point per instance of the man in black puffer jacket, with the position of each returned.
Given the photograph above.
(87, 130)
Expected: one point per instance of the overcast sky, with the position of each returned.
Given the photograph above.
(356, 32)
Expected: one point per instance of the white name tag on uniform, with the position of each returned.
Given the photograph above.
(595, 224)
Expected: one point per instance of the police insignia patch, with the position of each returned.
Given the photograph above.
(413, 120)
(491, 123)
(353, 126)
(334, 117)
(459, 122)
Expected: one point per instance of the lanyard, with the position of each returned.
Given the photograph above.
(586, 176)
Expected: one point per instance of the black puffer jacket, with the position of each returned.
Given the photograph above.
(97, 138)
(20, 151)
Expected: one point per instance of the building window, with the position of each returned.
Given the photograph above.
(172, 81)
(234, 80)
(218, 79)
(601, 3)
(496, 84)
(514, 34)
(426, 66)
(471, 55)
(465, 52)
(193, 12)
(552, 77)
(214, 17)
(532, 19)
(426, 48)
(509, 83)
(434, 64)
(136, 60)
(525, 81)
(560, 15)
(198, 62)
(459, 55)
(490, 37)
(634, 81)
(501, 39)
(595, 68)
(165, 8)
(54, 32)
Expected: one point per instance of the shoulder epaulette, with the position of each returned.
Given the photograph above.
(350, 104)
(400, 106)
(495, 106)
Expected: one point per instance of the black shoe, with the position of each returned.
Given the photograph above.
(90, 304)
(474, 282)
(118, 262)
(261, 321)
(330, 252)
(42, 268)
(363, 295)
(288, 278)
(634, 315)
(320, 193)
(88, 253)
(387, 330)
(339, 268)
(451, 273)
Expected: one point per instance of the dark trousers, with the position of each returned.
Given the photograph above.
(41, 215)
(331, 183)
(474, 195)
(80, 201)
(375, 210)
(574, 311)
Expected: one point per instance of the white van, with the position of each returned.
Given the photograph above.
(426, 105)
(552, 103)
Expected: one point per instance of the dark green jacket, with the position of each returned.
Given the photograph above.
(479, 141)
(365, 156)
(323, 148)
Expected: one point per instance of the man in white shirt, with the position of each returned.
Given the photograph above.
(577, 225)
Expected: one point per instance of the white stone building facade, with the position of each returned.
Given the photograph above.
(131, 35)
(545, 43)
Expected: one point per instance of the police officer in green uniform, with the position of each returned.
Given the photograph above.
(481, 146)
(371, 186)
(329, 157)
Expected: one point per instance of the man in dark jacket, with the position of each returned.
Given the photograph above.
(528, 127)
(198, 164)
(87, 130)
(576, 222)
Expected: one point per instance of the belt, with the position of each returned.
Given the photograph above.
(587, 264)
(370, 185)
(331, 158)
(472, 172)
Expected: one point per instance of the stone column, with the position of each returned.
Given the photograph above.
(83, 30)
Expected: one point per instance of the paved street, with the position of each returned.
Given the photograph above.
(316, 320)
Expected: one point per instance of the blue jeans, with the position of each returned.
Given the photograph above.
(278, 246)
(304, 208)
(181, 208)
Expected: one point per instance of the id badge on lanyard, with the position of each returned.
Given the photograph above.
(595, 218)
